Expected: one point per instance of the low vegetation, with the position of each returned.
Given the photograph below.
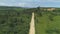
(47, 22)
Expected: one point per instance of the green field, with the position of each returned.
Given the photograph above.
(47, 22)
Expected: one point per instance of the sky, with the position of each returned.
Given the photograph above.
(30, 3)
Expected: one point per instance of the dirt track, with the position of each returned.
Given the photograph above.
(32, 25)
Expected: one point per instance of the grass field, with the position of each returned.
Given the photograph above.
(48, 23)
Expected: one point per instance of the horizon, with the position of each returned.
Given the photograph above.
(31, 3)
(29, 7)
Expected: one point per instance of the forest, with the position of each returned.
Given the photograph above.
(14, 20)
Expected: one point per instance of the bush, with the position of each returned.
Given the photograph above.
(51, 18)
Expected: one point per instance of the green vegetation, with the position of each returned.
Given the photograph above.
(47, 22)
(14, 20)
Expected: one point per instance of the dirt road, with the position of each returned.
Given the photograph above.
(32, 25)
